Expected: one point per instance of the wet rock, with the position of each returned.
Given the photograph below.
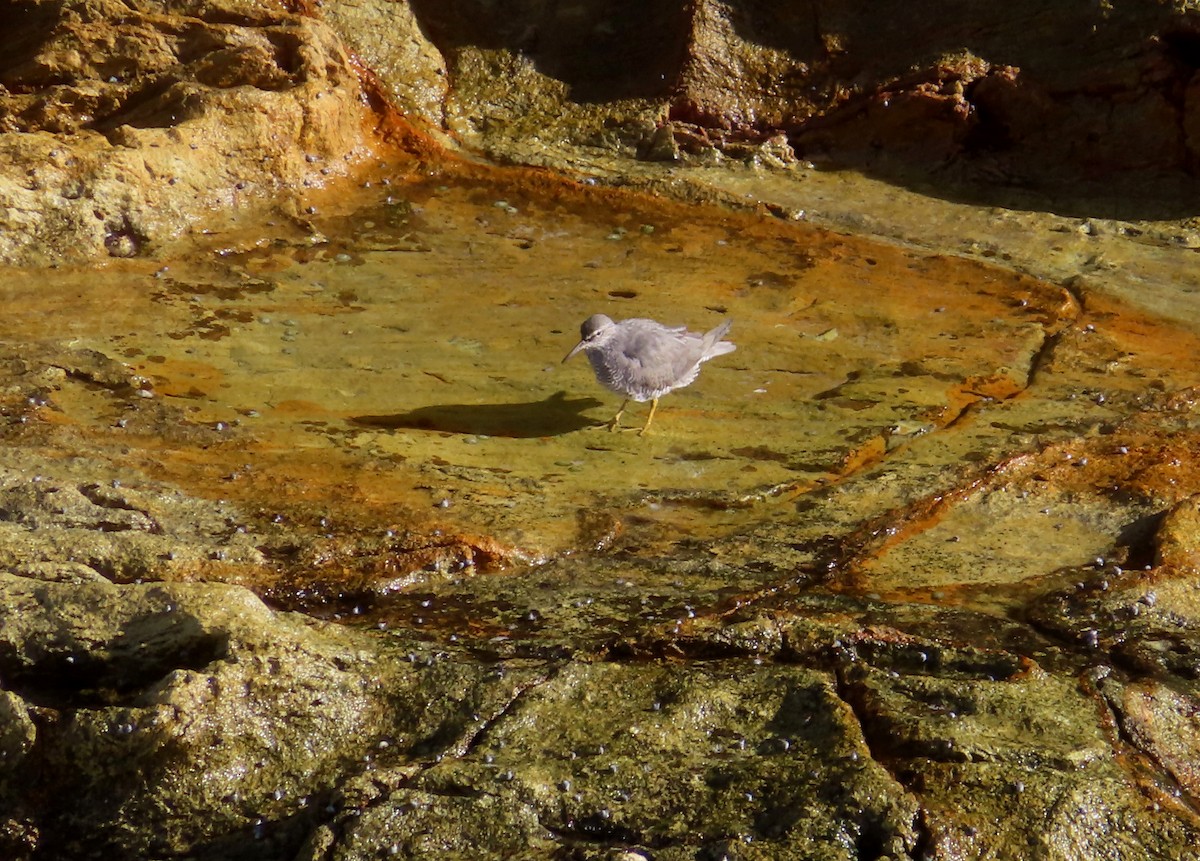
(879, 590)
(661, 145)
(1000, 755)
(1177, 542)
(970, 727)
(17, 730)
(121, 129)
(270, 712)
(423, 825)
(854, 93)
(149, 674)
(724, 755)
(1163, 723)
(946, 720)
(979, 95)
(1148, 618)
(387, 38)
(54, 528)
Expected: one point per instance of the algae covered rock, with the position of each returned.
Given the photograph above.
(147, 721)
(755, 760)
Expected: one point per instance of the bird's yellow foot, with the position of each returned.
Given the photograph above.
(649, 418)
(616, 420)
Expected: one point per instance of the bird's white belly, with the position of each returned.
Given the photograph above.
(615, 377)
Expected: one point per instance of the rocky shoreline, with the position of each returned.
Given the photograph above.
(307, 554)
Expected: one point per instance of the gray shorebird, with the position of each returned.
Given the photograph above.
(643, 360)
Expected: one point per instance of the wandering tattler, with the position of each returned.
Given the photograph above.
(643, 360)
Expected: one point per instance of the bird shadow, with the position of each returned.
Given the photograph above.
(549, 417)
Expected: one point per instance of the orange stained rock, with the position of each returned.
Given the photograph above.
(285, 361)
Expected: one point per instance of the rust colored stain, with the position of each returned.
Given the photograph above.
(363, 386)
(390, 125)
(1149, 457)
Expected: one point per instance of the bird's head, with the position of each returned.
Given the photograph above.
(594, 331)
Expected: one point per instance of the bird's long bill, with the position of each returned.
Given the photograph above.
(574, 350)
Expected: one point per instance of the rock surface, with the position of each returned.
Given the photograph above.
(311, 548)
(122, 127)
(1010, 96)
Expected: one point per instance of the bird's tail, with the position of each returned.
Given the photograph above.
(714, 346)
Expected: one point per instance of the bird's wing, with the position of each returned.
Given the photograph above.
(660, 358)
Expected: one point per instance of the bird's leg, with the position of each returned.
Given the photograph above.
(616, 420)
(650, 418)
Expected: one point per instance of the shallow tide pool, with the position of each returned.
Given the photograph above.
(386, 382)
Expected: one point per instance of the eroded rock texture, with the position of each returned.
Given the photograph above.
(121, 126)
(309, 551)
(309, 547)
(1013, 94)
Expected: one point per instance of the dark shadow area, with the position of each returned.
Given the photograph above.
(63, 838)
(272, 837)
(625, 49)
(1139, 540)
(62, 673)
(27, 27)
(1075, 108)
(1070, 42)
(1120, 195)
(550, 417)
(82, 819)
